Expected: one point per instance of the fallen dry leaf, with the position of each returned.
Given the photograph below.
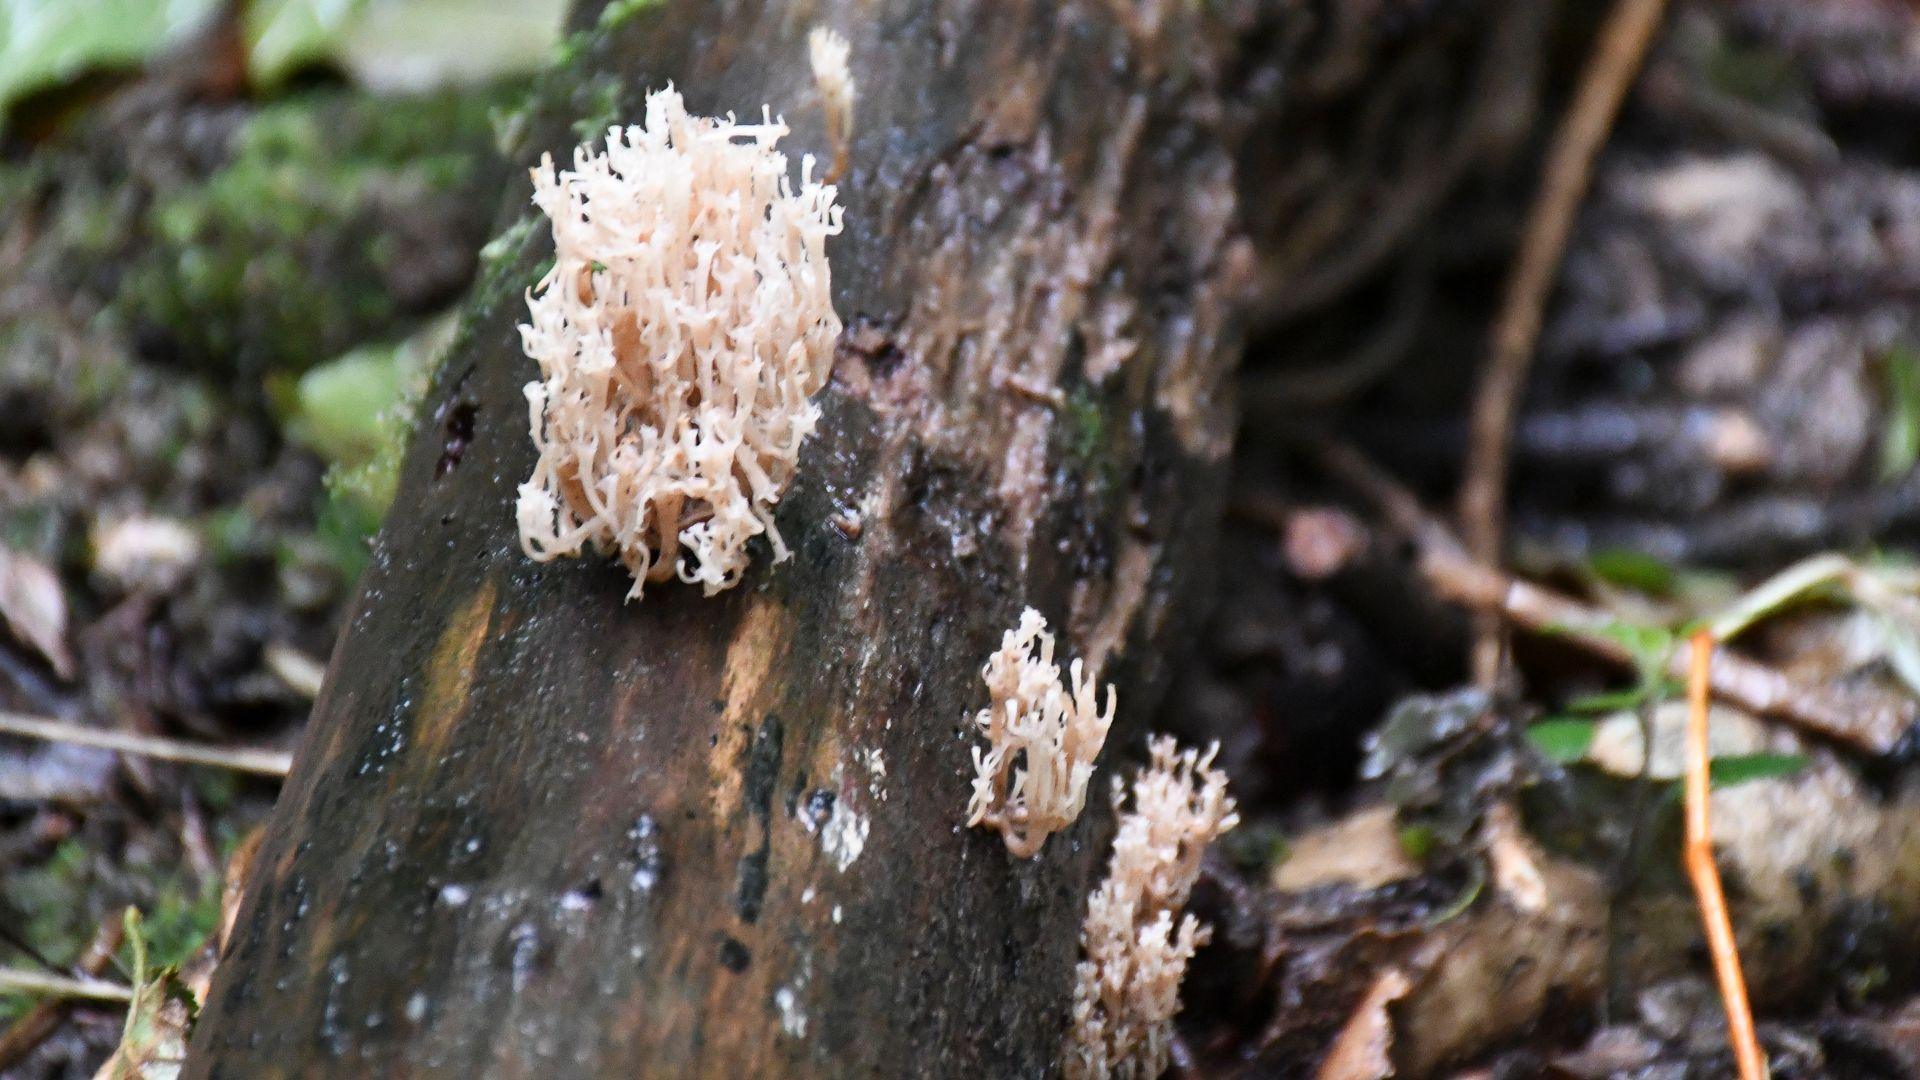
(1362, 849)
(1516, 865)
(1363, 1050)
(35, 608)
(145, 553)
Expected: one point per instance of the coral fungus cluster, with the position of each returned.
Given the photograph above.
(1127, 987)
(1031, 777)
(680, 335)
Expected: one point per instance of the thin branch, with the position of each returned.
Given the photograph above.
(16, 981)
(39, 1023)
(1859, 720)
(276, 763)
(1563, 184)
(1705, 875)
(1873, 723)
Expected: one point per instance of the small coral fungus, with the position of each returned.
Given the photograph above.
(827, 52)
(681, 334)
(1052, 734)
(1127, 987)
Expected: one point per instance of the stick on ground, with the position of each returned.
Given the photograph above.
(39, 1023)
(14, 980)
(1706, 876)
(240, 759)
(1569, 168)
(1850, 716)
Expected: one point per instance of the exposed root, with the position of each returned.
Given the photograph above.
(1706, 876)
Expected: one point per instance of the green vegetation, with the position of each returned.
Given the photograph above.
(1900, 442)
(292, 250)
(45, 43)
(611, 17)
(356, 412)
(1563, 739)
(1633, 570)
(59, 905)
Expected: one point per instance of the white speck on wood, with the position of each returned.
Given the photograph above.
(845, 835)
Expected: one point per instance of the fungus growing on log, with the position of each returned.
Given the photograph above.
(1127, 989)
(681, 334)
(827, 56)
(1046, 734)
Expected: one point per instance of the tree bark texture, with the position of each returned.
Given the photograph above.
(537, 830)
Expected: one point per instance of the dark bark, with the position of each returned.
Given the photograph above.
(536, 828)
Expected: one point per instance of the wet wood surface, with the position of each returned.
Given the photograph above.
(537, 830)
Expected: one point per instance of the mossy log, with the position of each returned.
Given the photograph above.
(537, 828)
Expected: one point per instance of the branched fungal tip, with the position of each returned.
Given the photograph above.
(1042, 733)
(681, 334)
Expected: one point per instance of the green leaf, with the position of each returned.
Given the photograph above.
(346, 405)
(1418, 841)
(1900, 441)
(1633, 570)
(136, 943)
(1563, 739)
(1724, 772)
(153, 1039)
(46, 42)
(286, 35)
(619, 11)
(402, 45)
(414, 44)
(1649, 647)
(1612, 701)
(1815, 577)
(1608, 701)
(392, 45)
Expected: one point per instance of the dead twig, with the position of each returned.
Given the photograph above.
(277, 763)
(37, 1024)
(40, 983)
(1705, 875)
(1863, 721)
(1569, 169)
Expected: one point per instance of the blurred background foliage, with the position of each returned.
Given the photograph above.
(383, 45)
(232, 236)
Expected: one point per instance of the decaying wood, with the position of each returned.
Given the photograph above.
(1819, 866)
(536, 828)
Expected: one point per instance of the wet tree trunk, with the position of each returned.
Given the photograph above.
(537, 829)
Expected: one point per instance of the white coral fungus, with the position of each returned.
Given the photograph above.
(1127, 989)
(1037, 723)
(827, 54)
(681, 334)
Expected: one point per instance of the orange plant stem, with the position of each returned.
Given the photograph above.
(1706, 876)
